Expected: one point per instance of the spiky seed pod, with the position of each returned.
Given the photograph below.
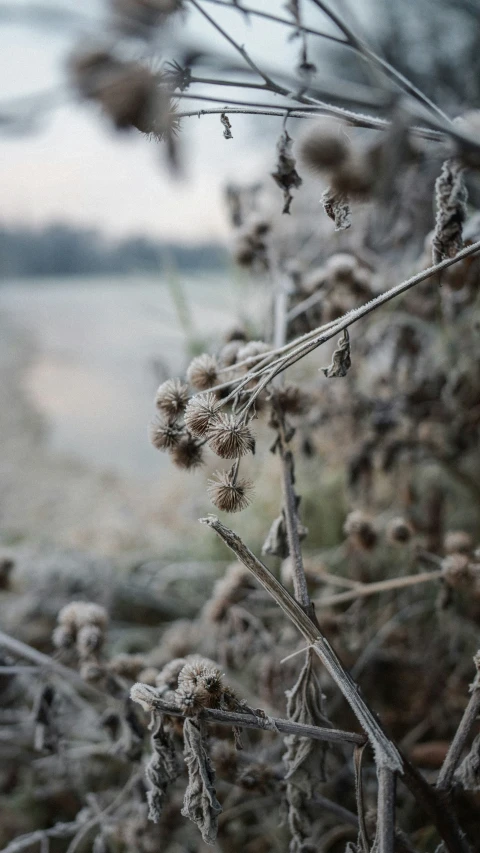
(148, 676)
(201, 412)
(201, 674)
(202, 372)
(292, 400)
(229, 495)
(399, 531)
(168, 676)
(252, 349)
(62, 637)
(229, 438)
(228, 353)
(89, 640)
(127, 666)
(458, 542)
(187, 453)
(165, 434)
(360, 529)
(324, 146)
(191, 700)
(92, 614)
(172, 397)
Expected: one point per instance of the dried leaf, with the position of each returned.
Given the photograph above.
(305, 758)
(286, 175)
(336, 206)
(162, 769)
(341, 361)
(227, 127)
(451, 200)
(200, 803)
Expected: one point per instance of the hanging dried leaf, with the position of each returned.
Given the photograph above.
(162, 769)
(200, 803)
(227, 127)
(46, 734)
(451, 200)
(468, 774)
(305, 758)
(286, 175)
(341, 361)
(276, 542)
(336, 206)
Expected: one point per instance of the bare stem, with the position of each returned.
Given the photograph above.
(384, 750)
(445, 777)
(386, 810)
(378, 586)
(261, 722)
(249, 10)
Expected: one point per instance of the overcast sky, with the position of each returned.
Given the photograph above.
(75, 167)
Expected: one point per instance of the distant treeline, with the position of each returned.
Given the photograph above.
(62, 250)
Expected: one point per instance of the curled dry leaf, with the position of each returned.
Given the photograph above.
(337, 207)
(451, 200)
(227, 127)
(200, 803)
(162, 769)
(341, 361)
(286, 176)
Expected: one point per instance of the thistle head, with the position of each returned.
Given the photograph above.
(229, 494)
(172, 397)
(202, 372)
(230, 438)
(165, 434)
(200, 413)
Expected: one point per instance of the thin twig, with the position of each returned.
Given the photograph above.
(263, 723)
(384, 750)
(378, 586)
(249, 10)
(452, 759)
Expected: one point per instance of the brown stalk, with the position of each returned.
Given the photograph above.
(387, 755)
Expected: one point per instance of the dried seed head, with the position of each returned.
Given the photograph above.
(202, 372)
(172, 397)
(292, 400)
(458, 542)
(399, 531)
(201, 412)
(360, 529)
(62, 637)
(201, 674)
(89, 640)
(252, 349)
(324, 146)
(76, 614)
(228, 353)
(191, 700)
(187, 454)
(235, 334)
(456, 570)
(233, 587)
(229, 495)
(127, 666)
(230, 438)
(136, 16)
(148, 675)
(165, 434)
(168, 676)
(355, 176)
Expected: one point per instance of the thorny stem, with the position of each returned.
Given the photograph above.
(362, 591)
(445, 777)
(385, 810)
(386, 752)
(261, 722)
